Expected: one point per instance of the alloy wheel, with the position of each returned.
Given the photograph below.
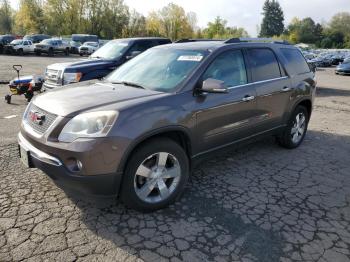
(298, 129)
(157, 177)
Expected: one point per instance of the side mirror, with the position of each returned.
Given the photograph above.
(212, 85)
(133, 54)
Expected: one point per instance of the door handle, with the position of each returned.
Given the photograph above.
(248, 98)
(286, 89)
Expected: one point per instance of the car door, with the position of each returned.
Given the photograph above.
(223, 118)
(26, 46)
(272, 86)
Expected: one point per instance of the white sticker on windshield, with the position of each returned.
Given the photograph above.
(195, 58)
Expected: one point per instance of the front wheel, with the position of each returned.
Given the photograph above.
(294, 133)
(155, 176)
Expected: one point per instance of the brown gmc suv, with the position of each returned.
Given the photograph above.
(137, 133)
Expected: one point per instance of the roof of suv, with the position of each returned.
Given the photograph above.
(213, 45)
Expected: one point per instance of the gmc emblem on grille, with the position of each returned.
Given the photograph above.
(36, 117)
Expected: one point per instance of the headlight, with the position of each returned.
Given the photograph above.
(71, 78)
(93, 124)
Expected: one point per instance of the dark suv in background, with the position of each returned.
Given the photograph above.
(79, 39)
(100, 63)
(138, 133)
(36, 38)
(5, 40)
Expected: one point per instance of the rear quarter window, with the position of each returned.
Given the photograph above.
(296, 60)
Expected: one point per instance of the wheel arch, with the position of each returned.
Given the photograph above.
(177, 133)
(306, 103)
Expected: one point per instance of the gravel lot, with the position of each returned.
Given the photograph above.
(256, 203)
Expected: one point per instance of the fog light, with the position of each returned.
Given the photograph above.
(74, 164)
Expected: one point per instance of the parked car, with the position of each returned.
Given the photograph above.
(51, 47)
(19, 47)
(88, 48)
(5, 40)
(343, 68)
(79, 39)
(138, 133)
(36, 38)
(321, 61)
(100, 63)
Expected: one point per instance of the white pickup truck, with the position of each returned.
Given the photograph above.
(19, 47)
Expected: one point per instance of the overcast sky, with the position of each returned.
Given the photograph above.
(247, 13)
(243, 13)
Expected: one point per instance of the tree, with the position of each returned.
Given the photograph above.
(30, 17)
(272, 24)
(219, 30)
(136, 25)
(341, 23)
(171, 21)
(5, 17)
(304, 31)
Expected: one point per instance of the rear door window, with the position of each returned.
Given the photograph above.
(228, 67)
(263, 63)
(140, 46)
(296, 60)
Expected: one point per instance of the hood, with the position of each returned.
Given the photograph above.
(82, 64)
(73, 99)
(344, 66)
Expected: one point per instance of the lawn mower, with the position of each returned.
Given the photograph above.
(24, 85)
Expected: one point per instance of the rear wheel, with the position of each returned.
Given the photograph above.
(20, 51)
(66, 52)
(50, 52)
(155, 176)
(294, 133)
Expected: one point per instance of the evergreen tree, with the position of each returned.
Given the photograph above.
(272, 24)
(5, 17)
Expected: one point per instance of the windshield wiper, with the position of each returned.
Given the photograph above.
(130, 84)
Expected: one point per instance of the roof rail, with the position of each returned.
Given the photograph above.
(187, 40)
(269, 40)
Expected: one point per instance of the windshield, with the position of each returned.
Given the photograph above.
(158, 69)
(112, 50)
(17, 42)
(346, 61)
(46, 41)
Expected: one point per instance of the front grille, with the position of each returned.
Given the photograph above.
(46, 123)
(52, 76)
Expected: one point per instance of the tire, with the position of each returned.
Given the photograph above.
(144, 161)
(66, 52)
(20, 51)
(50, 52)
(294, 134)
(38, 53)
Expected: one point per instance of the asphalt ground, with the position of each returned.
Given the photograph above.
(259, 202)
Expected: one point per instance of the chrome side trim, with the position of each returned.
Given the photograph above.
(259, 82)
(36, 153)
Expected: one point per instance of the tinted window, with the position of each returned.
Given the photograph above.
(264, 64)
(296, 60)
(228, 67)
(141, 46)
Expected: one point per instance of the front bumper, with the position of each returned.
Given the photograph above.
(98, 185)
(342, 72)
